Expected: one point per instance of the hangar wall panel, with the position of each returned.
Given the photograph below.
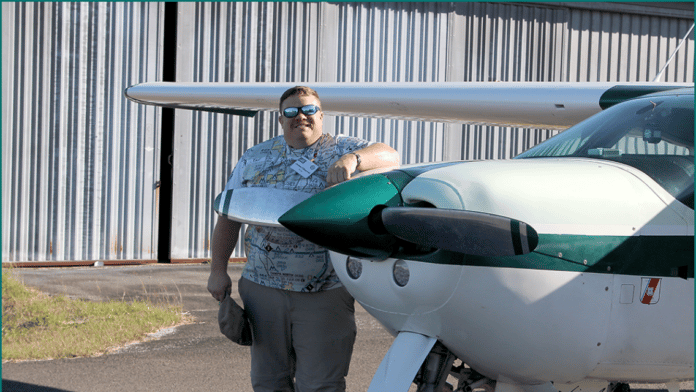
(308, 42)
(79, 162)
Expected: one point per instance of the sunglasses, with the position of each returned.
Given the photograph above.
(307, 110)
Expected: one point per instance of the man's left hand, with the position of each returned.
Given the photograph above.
(342, 169)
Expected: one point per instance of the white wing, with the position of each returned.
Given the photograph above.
(523, 104)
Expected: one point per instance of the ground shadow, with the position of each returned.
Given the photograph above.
(16, 386)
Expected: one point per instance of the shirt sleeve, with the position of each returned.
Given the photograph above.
(235, 180)
(348, 144)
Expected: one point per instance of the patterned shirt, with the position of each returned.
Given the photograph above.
(276, 257)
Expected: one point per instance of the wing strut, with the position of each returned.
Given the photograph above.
(659, 75)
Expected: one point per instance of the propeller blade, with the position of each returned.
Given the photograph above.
(257, 205)
(468, 232)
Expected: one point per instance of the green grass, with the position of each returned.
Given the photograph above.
(38, 326)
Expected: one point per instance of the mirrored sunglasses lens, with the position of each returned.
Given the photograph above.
(309, 110)
(290, 112)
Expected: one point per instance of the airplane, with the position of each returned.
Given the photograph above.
(567, 268)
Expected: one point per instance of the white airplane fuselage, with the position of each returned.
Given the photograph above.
(566, 312)
(530, 326)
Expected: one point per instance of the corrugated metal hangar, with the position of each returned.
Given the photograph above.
(88, 176)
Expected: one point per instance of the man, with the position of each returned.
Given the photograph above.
(302, 317)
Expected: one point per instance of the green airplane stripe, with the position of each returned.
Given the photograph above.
(659, 256)
(216, 203)
(228, 200)
(222, 202)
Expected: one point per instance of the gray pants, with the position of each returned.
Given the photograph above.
(305, 336)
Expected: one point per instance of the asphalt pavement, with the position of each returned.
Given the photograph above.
(192, 357)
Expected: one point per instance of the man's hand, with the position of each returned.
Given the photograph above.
(342, 169)
(218, 284)
(224, 240)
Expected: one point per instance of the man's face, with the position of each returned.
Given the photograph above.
(302, 130)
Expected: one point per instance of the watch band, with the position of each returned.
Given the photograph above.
(358, 159)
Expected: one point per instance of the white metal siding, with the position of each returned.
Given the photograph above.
(79, 161)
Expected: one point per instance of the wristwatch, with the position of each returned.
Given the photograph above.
(358, 158)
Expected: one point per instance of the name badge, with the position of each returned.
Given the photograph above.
(304, 167)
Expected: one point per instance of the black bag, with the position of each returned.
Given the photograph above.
(233, 322)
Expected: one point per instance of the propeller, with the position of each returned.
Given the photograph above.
(468, 232)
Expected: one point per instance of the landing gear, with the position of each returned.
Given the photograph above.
(432, 376)
(440, 364)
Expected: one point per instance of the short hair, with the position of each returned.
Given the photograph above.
(298, 90)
